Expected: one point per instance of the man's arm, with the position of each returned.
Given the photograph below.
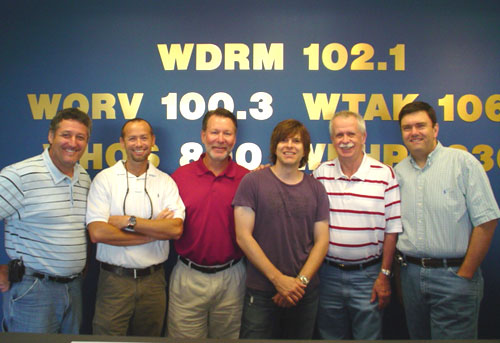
(318, 251)
(316, 257)
(102, 232)
(4, 278)
(289, 287)
(159, 228)
(479, 244)
(11, 198)
(382, 285)
(147, 230)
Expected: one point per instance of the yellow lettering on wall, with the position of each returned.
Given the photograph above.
(374, 151)
(485, 153)
(236, 53)
(332, 153)
(175, 56)
(103, 102)
(268, 59)
(95, 157)
(111, 154)
(492, 107)
(203, 62)
(475, 105)
(353, 100)
(44, 105)
(398, 102)
(321, 105)
(377, 108)
(315, 156)
(130, 108)
(394, 153)
(80, 99)
(153, 158)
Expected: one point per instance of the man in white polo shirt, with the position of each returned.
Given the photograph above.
(42, 202)
(364, 224)
(130, 217)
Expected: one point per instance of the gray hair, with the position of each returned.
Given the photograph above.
(347, 114)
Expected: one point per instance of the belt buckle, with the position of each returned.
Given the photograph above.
(422, 262)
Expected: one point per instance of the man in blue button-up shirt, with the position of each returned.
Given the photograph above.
(449, 215)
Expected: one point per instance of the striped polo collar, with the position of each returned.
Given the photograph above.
(57, 175)
(360, 174)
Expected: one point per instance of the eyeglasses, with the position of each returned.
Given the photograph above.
(145, 191)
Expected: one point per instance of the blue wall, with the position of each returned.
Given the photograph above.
(272, 60)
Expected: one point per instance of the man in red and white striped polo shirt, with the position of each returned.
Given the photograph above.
(364, 224)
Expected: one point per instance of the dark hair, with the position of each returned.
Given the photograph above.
(417, 106)
(221, 112)
(288, 128)
(134, 121)
(70, 114)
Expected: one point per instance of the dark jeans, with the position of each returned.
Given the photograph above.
(262, 319)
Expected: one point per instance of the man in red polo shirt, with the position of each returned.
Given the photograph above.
(208, 282)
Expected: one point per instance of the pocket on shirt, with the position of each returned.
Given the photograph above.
(453, 202)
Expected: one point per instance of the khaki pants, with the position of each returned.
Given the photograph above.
(206, 305)
(125, 305)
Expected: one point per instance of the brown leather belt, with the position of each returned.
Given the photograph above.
(434, 262)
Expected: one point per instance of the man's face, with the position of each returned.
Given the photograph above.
(67, 144)
(219, 137)
(290, 151)
(418, 134)
(137, 141)
(347, 138)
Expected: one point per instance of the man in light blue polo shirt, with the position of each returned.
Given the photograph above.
(449, 215)
(43, 201)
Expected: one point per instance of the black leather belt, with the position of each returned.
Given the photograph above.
(132, 272)
(208, 269)
(351, 267)
(434, 262)
(59, 279)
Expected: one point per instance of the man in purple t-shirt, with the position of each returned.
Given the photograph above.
(281, 218)
(208, 282)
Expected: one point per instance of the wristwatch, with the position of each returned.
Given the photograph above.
(131, 223)
(304, 279)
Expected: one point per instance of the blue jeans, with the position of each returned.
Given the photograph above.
(344, 310)
(43, 306)
(439, 304)
(262, 319)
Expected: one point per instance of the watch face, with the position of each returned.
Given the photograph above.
(132, 220)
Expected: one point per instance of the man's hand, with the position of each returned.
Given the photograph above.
(290, 288)
(280, 301)
(260, 167)
(381, 291)
(119, 222)
(165, 214)
(4, 278)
